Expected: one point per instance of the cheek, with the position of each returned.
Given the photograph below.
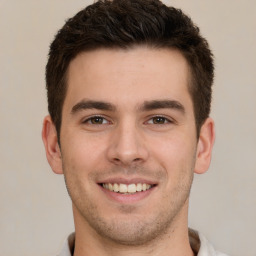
(82, 154)
(80, 157)
(174, 153)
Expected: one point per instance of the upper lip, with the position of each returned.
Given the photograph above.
(123, 180)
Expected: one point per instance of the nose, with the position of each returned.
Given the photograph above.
(127, 145)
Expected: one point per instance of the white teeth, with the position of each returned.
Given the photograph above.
(139, 187)
(126, 189)
(116, 188)
(123, 188)
(110, 187)
(131, 188)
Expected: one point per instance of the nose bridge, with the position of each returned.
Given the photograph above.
(127, 145)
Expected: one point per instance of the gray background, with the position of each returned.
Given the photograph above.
(35, 210)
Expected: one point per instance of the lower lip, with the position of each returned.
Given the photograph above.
(127, 198)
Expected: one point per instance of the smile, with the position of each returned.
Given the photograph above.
(126, 188)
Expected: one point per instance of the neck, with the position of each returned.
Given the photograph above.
(175, 241)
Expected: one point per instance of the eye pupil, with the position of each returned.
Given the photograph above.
(159, 120)
(97, 120)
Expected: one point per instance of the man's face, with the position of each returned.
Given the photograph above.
(128, 124)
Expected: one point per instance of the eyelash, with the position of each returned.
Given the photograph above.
(166, 120)
(89, 120)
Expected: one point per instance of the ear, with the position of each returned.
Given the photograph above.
(204, 146)
(52, 149)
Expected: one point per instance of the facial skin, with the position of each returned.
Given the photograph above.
(128, 118)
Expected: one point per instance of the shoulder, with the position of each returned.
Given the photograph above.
(203, 246)
(221, 254)
(68, 246)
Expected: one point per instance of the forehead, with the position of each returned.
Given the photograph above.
(127, 76)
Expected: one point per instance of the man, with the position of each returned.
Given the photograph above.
(129, 94)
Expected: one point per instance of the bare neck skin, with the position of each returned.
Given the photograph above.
(173, 242)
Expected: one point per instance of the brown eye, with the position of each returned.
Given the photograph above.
(159, 120)
(96, 120)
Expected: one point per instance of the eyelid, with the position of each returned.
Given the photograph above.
(168, 119)
(87, 119)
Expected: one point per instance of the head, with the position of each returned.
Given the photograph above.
(122, 24)
(129, 91)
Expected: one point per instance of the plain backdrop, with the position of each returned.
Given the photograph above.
(35, 210)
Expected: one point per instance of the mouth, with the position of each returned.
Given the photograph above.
(127, 189)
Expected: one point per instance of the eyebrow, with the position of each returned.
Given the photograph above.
(162, 104)
(91, 104)
(146, 106)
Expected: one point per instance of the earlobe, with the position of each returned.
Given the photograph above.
(204, 146)
(52, 149)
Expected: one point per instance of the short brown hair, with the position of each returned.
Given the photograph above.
(124, 24)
